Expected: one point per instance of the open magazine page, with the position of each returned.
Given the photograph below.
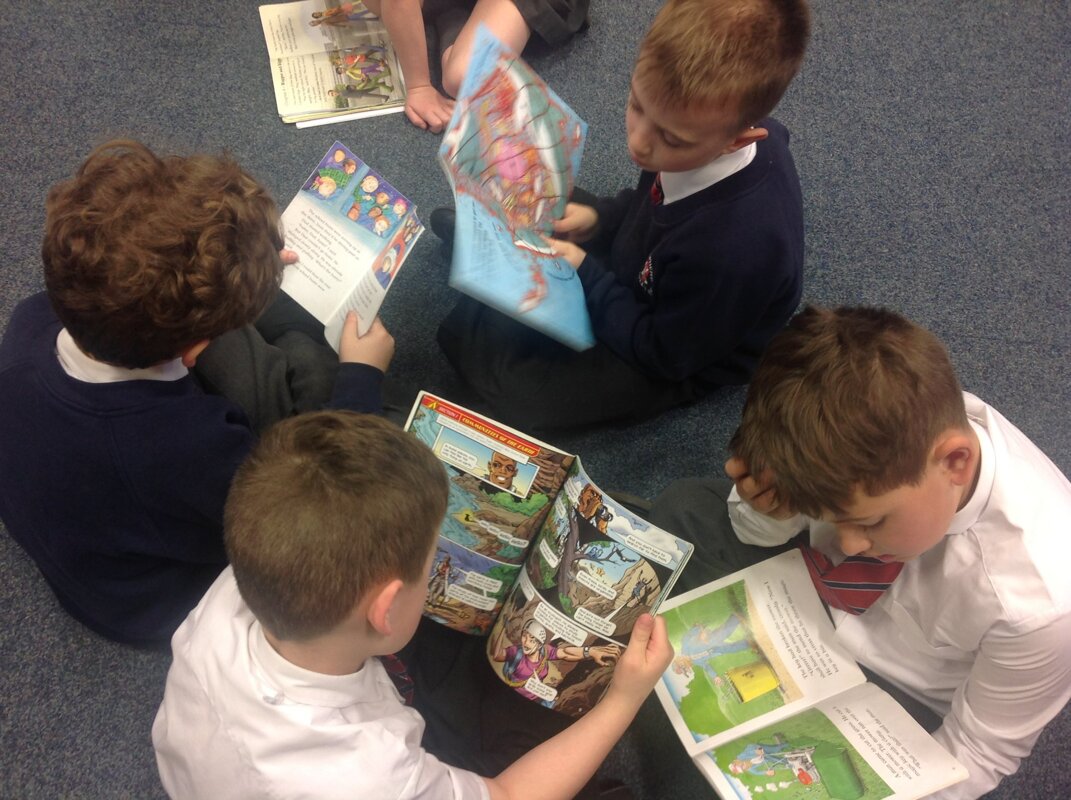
(753, 647)
(502, 486)
(592, 571)
(511, 152)
(860, 745)
(329, 58)
(352, 231)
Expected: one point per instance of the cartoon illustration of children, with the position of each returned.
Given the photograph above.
(533, 656)
(760, 759)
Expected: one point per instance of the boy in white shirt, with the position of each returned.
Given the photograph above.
(283, 683)
(856, 431)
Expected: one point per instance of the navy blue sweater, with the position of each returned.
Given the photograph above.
(694, 290)
(116, 490)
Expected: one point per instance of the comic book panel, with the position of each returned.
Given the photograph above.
(599, 564)
(466, 589)
(547, 658)
(501, 484)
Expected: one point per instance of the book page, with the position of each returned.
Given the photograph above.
(329, 57)
(860, 744)
(502, 486)
(511, 152)
(594, 568)
(352, 231)
(753, 647)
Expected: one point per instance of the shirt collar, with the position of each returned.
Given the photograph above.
(967, 516)
(282, 681)
(88, 370)
(678, 185)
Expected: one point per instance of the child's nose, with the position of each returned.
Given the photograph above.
(852, 541)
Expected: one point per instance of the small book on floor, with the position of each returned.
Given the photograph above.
(511, 153)
(330, 62)
(352, 232)
(769, 705)
(534, 552)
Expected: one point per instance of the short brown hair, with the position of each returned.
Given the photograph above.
(740, 54)
(847, 399)
(145, 256)
(327, 505)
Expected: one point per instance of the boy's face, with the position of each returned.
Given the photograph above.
(662, 137)
(902, 523)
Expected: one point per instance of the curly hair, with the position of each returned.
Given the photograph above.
(147, 255)
(846, 399)
(329, 504)
(741, 54)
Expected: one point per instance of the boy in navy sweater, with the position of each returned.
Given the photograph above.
(690, 274)
(115, 462)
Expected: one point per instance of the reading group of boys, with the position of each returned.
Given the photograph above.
(165, 448)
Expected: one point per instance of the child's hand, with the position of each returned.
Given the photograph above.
(428, 109)
(375, 348)
(578, 224)
(758, 491)
(572, 253)
(645, 659)
(288, 256)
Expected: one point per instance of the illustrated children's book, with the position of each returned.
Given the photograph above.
(352, 231)
(534, 552)
(330, 61)
(511, 153)
(768, 703)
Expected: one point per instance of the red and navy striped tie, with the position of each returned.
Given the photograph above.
(853, 585)
(657, 195)
(400, 677)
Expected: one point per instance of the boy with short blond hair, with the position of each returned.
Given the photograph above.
(284, 683)
(116, 462)
(687, 276)
(934, 529)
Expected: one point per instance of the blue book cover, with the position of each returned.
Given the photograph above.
(511, 152)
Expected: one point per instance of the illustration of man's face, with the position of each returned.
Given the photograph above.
(588, 502)
(501, 470)
(370, 183)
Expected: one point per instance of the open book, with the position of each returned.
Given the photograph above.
(769, 704)
(511, 153)
(532, 551)
(330, 61)
(352, 231)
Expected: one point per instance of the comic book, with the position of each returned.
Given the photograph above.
(511, 153)
(532, 551)
(330, 61)
(352, 232)
(768, 703)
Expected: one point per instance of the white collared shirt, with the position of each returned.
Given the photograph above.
(240, 721)
(979, 626)
(88, 370)
(678, 185)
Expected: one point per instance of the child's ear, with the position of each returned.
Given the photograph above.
(383, 599)
(189, 355)
(958, 453)
(746, 137)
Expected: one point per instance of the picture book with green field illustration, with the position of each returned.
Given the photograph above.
(533, 553)
(768, 704)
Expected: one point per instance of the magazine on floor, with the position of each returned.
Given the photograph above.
(330, 62)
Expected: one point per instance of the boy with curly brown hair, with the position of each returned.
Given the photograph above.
(116, 461)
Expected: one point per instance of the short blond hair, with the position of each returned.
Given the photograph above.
(737, 54)
(847, 399)
(328, 505)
